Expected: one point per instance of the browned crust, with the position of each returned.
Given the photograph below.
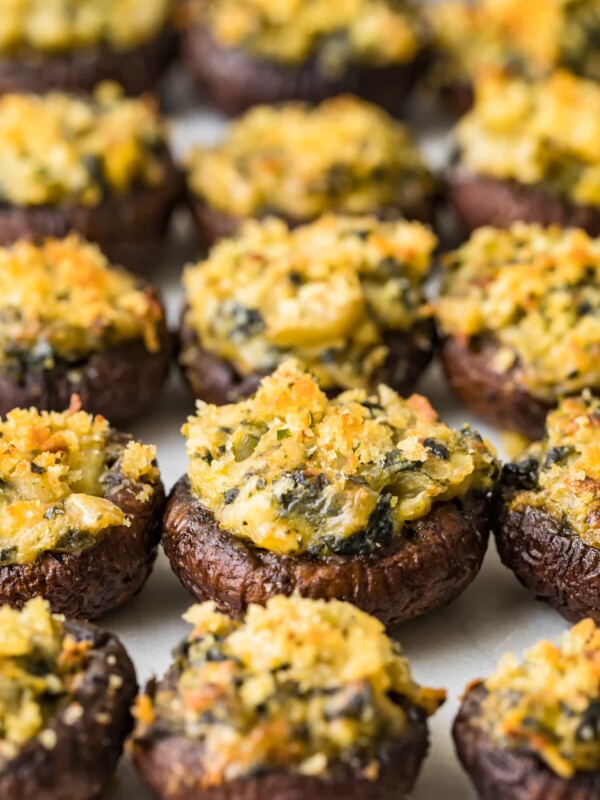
(213, 224)
(136, 70)
(497, 397)
(235, 81)
(550, 560)
(106, 575)
(173, 766)
(215, 380)
(480, 201)
(87, 750)
(429, 566)
(501, 774)
(120, 384)
(129, 229)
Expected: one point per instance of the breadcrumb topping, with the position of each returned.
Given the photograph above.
(517, 131)
(549, 703)
(369, 31)
(59, 148)
(55, 26)
(326, 293)
(61, 299)
(530, 39)
(298, 684)
(40, 666)
(562, 472)
(294, 472)
(52, 467)
(300, 161)
(536, 292)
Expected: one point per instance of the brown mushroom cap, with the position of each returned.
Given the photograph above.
(235, 81)
(82, 763)
(128, 228)
(137, 70)
(502, 774)
(432, 563)
(498, 397)
(105, 575)
(479, 201)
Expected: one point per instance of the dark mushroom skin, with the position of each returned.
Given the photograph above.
(215, 380)
(120, 383)
(502, 774)
(479, 200)
(235, 81)
(82, 763)
(432, 563)
(498, 397)
(158, 760)
(129, 228)
(110, 572)
(213, 224)
(137, 70)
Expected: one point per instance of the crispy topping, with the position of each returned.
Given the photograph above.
(516, 131)
(536, 292)
(374, 32)
(63, 25)
(326, 293)
(299, 162)
(39, 669)
(52, 467)
(298, 684)
(549, 703)
(59, 148)
(561, 474)
(62, 300)
(294, 472)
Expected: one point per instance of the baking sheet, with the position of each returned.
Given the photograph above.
(448, 648)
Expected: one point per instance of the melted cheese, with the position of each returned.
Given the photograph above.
(62, 299)
(39, 668)
(294, 472)
(536, 292)
(325, 293)
(548, 703)
(51, 482)
(63, 25)
(59, 148)
(530, 38)
(298, 161)
(298, 684)
(517, 131)
(566, 469)
(370, 31)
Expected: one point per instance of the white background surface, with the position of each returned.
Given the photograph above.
(447, 649)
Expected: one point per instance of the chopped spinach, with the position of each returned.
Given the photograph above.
(437, 448)
(231, 495)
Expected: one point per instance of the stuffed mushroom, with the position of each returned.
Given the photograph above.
(65, 694)
(80, 511)
(548, 521)
(325, 706)
(247, 53)
(366, 498)
(70, 323)
(344, 295)
(74, 45)
(517, 160)
(529, 40)
(530, 730)
(299, 162)
(97, 165)
(519, 315)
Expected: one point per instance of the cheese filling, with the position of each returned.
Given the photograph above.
(326, 293)
(296, 685)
